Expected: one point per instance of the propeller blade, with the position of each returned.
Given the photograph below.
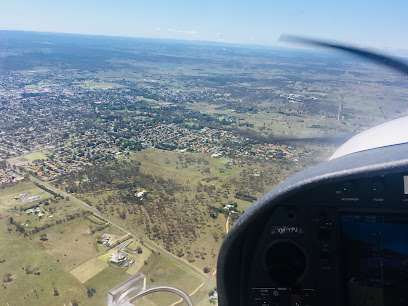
(375, 57)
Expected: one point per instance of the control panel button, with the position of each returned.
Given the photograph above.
(349, 187)
(377, 186)
(325, 260)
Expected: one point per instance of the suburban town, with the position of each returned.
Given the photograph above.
(69, 142)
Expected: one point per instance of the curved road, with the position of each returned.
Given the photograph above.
(115, 223)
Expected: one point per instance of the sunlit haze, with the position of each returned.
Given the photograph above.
(376, 24)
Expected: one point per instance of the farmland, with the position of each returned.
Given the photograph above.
(66, 251)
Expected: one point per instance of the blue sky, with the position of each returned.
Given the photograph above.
(366, 23)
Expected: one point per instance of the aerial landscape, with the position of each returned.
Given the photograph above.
(123, 155)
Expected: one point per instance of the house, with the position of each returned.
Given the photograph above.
(33, 211)
(34, 198)
(118, 257)
(21, 195)
(30, 211)
(105, 239)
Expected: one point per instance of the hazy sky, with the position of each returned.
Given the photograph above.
(372, 23)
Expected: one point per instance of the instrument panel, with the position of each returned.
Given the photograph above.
(336, 234)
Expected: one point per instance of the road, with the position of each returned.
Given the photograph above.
(119, 226)
(227, 224)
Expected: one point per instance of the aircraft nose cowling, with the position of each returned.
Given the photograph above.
(387, 134)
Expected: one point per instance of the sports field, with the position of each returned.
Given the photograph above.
(36, 155)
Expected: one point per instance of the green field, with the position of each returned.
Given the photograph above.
(30, 289)
(72, 243)
(36, 155)
(98, 85)
(7, 195)
(69, 247)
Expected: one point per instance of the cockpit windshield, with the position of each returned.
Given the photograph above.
(134, 134)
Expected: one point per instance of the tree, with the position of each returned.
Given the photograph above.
(56, 293)
(90, 292)
(206, 270)
(7, 278)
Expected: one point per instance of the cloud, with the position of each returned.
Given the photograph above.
(220, 37)
(190, 32)
(157, 29)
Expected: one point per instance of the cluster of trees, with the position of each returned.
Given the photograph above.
(98, 228)
(126, 144)
(244, 196)
(37, 229)
(55, 194)
(18, 226)
(90, 292)
(29, 270)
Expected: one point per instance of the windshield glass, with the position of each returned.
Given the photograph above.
(133, 135)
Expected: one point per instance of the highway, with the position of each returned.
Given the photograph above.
(119, 226)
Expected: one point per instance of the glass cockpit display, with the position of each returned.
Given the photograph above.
(375, 258)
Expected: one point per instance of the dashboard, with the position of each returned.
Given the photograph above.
(335, 234)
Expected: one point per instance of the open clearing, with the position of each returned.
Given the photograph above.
(98, 85)
(18, 161)
(40, 84)
(36, 155)
(138, 258)
(89, 269)
(7, 195)
(21, 255)
(72, 243)
(161, 271)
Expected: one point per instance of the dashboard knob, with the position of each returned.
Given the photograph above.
(286, 262)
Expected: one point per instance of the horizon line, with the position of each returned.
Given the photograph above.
(277, 45)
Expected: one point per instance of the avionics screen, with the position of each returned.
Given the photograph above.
(375, 258)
